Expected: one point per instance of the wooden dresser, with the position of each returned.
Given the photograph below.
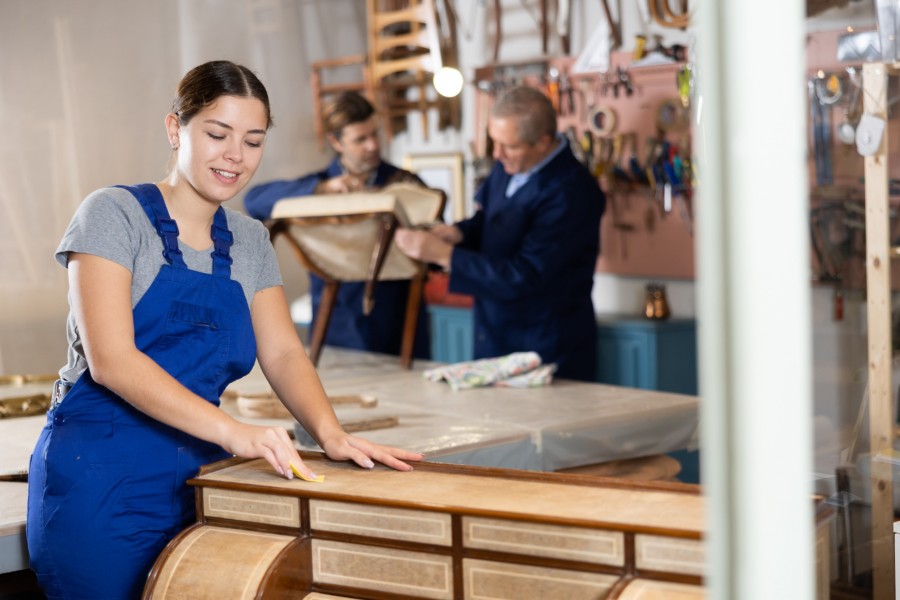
(440, 532)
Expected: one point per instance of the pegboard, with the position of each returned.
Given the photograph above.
(644, 232)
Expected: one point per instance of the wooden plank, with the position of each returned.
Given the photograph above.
(875, 78)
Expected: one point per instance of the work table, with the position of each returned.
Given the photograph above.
(563, 425)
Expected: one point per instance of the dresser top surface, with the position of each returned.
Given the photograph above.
(554, 499)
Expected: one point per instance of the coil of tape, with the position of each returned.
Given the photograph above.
(602, 120)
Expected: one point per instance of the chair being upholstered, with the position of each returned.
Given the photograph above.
(349, 237)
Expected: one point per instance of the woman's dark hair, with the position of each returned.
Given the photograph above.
(206, 83)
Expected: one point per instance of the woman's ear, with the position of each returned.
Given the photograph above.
(173, 126)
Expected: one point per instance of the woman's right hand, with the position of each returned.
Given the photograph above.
(268, 442)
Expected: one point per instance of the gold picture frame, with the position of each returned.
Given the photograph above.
(443, 172)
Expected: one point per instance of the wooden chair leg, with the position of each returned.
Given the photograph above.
(382, 245)
(413, 305)
(323, 318)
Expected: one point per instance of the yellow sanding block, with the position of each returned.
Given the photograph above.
(297, 472)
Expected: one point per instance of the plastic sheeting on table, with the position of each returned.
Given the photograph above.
(567, 424)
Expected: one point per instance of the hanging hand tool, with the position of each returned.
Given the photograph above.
(625, 80)
(640, 41)
(620, 227)
(649, 157)
(684, 81)
(821, 137)
(620, 174)
(637, 172)
(553, 87)
(567, 96)
(604, 85)
(574, 142)
(587, 149)
(586, 91)
(604, 159)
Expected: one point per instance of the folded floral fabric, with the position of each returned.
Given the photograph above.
(543, 375)
(519, 369)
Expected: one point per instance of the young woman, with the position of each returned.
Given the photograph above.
(172, 298)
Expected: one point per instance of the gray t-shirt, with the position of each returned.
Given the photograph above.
(111, 223)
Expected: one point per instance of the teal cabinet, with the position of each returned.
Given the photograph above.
(631, 351)
(652, 355)
(451, 333)
(646, 354)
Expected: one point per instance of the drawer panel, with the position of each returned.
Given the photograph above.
(487, 580)
(377, 521)
(254, 508)
(674, 555)
(383, 569)
(553, 541)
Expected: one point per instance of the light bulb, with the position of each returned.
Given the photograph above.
(448, 82)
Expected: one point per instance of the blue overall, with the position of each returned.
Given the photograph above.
(106, 488)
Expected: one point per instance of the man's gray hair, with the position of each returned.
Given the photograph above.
(532, 110)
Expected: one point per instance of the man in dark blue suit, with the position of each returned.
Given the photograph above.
(529, 252)
(352, 131)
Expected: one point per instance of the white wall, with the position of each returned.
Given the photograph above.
(84, 88)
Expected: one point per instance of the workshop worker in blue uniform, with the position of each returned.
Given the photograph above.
(172, 298)
(528, 253)
(352, 131)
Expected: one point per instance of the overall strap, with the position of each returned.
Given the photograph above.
(222, 240)
(152, 202)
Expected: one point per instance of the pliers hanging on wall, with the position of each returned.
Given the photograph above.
(566, 100)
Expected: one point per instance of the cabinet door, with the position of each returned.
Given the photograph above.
(676, 361)
(624, 359)
(451, 334)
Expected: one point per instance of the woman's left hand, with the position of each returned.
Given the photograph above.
(363, 453)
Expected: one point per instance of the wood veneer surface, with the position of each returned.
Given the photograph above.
(19, 435)
(654, 510)
(12, 513)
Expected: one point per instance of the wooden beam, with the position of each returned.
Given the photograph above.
(878, 290)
